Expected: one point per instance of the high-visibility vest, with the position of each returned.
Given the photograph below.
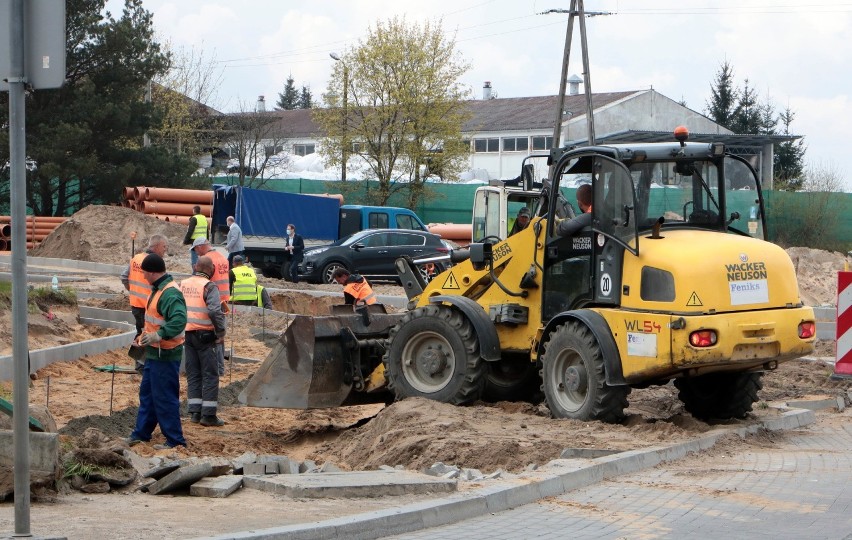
(197, 314)
(140, 289)
(154, 320)
(220, 276)
(200, 227)
(362, 292)
(245, 284)
(260, 296)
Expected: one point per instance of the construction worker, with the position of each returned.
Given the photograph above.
(205, 326)
(163, 337)
(197, 228)
(521, 221)
(202, 246)
(356, 289)
(134, 282)
(244, 288)
(569, 227)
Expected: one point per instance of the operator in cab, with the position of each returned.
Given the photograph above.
(521, 221)
(570, 227)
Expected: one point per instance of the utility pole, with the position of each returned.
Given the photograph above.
(576, 10)
(343, 150)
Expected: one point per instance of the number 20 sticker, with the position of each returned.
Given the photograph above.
(606, 284)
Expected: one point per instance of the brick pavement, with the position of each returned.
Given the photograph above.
(788, 485)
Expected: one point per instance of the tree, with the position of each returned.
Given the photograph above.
(747, 117)
(306, 99)
(289, 98)
(404, 104)
(84, 140)
(723, 101)
(253, 138)
(789, 157)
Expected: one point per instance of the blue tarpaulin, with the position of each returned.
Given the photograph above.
(266, 213)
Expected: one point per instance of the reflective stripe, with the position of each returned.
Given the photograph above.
(245, 284)
(197, 321)
(140, 290)
(209, 403)
(140, 295)
(154, 320)
(193, 401)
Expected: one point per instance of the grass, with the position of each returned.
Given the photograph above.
(71, 469)
(39, 298)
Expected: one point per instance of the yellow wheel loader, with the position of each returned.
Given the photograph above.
(673, 280)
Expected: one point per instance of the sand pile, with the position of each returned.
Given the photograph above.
(817, 273)
(102, 234)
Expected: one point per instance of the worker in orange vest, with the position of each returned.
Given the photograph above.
(356, 289)
(221, 278)
(134, 282)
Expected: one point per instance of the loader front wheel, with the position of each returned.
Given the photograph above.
(433, 353)
(719, 395)
(573, 377)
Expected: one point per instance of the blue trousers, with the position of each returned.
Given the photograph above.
(159, 402)
(193, 258)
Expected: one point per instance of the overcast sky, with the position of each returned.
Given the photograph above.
(795, 53)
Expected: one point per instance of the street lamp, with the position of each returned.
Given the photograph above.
(343, 151)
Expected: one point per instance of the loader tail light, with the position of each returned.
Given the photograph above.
(703, 338)
(807, 329)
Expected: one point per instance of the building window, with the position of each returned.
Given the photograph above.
(486, 145)
(516, 144)
(356, 148)
(303, 149)
(272, 150)
(542, 143)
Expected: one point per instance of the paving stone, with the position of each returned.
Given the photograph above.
(329, 467)
(240, 461)
(589, 453)
(308, 466)
(162, 470)
(221, 466)
(439, 469)
(182, 477)
(141, 464)
(288, 466)
(254, 468)
(350, 484)
(217, 487)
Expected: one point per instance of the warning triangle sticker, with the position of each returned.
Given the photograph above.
(694, 301)
(450, 282)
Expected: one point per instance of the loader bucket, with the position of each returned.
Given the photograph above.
(314, 365)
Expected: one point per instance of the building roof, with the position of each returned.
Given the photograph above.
(529, 113)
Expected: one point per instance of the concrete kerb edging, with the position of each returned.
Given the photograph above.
(556, 478)
(73, 351)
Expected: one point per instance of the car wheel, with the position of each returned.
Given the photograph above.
(328, 271)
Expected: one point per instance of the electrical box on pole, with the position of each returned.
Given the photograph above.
(44, 47)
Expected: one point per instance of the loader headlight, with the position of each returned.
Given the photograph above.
(807, 329)
(703, 338)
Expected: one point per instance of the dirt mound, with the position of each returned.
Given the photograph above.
(816, 271)
(102, 234)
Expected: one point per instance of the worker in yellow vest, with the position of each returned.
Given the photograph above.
(244, 288)
(197, 228)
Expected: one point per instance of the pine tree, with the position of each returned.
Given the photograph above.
(289, 98)
(747, 115)
(306, 100)
(723, 102)
(789, 157)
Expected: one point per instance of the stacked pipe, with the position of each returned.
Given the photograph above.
(38, 227)
(459, 233)
(169, 204)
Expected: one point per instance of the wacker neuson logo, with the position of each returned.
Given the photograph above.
(747, 282)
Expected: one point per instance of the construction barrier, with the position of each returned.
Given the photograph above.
(843, 366)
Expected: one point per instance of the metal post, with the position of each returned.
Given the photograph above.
(587, 79)
(20, 352)
(557, 129)
(345, 120)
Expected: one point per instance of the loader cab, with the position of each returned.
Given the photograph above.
(634, 188)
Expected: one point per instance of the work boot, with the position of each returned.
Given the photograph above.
(195, 417)
(212, 421)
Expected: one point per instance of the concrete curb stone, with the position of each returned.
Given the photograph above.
(556, 478)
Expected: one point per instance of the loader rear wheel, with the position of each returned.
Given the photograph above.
(719, 395)
(433, 353)
(573, 377)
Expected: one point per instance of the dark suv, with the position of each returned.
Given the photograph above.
(372, 253)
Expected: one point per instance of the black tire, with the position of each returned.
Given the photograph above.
(434, 353)
(573, 377)
(512, 378)
(719, 395)
(329, 269)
